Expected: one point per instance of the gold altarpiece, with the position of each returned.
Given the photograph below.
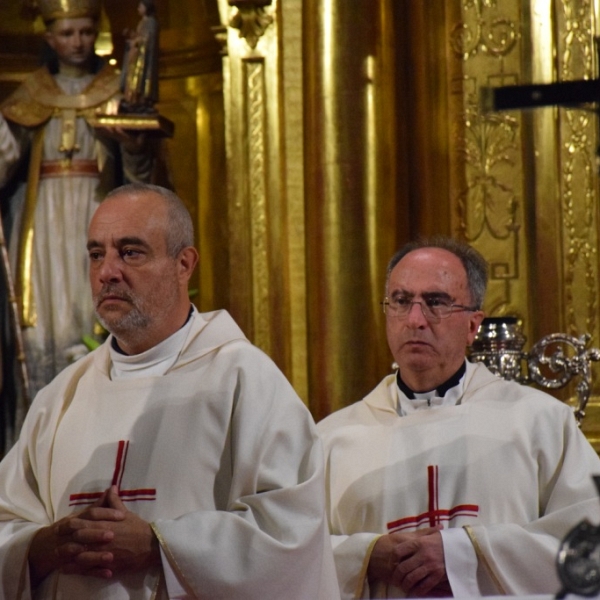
(314, 137)
(524, 184)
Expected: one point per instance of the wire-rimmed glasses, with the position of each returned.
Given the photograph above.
(434, 309)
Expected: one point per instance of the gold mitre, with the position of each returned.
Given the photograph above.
(68, 9)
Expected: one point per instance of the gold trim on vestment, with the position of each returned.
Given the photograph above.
(172, 561)
(160, 585)
(40, 97)
(362, 576)
(482, 557)
(68, 117)
(47, 92)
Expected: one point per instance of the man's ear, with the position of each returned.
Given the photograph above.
(474, 322)
(186, 261)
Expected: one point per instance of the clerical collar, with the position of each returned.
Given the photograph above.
(115, 345)
(153, 362)
(440, 391)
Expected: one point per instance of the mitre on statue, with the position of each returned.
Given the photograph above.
(67, 9)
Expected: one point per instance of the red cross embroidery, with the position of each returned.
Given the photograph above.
(434, 515)
(125, 495)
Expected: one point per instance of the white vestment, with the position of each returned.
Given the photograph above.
(505, 459)
(219, 454)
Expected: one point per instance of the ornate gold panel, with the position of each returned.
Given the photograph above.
(578, 175)
(489, 192)
(260, 233)
(516, 206)
(524, 185)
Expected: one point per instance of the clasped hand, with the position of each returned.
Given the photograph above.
(99, 541)
(413, 562)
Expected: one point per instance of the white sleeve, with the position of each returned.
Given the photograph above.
(519, 558)
(175, 589)
(272, 516)
(352, 554)
(461, 563)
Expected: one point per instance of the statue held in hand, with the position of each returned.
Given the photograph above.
(140, 65)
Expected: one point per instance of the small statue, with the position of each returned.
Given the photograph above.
(139, 80)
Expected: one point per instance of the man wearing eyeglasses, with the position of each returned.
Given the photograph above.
(447, 480)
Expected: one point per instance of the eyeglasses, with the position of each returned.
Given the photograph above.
(434, 309)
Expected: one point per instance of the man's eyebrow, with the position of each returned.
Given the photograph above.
(93, 244)
(401, 292)
(433, 295)
(124, 241)
(133, 240)
(441, 295)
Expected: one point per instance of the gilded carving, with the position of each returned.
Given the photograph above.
(495, 36)
(220, 33)
(488, 207)
(578, 174)
(518, 215)
(489, 210)
(251, 19)
(255, 120)
(488, 203)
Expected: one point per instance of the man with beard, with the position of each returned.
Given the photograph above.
(175, 461)
(447, 480)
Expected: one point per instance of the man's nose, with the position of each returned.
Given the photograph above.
(109, 270)
(415, 317)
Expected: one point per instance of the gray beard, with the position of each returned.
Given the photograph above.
(134, 326)
(127, 326)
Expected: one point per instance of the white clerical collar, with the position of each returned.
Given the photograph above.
(153, 362)
(427, 400)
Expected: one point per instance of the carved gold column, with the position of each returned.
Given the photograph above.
(575, 215)
(350, 194)
(577, 209)
(266, 248)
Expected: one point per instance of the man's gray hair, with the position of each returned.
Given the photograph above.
(180, 229)
(475, 265)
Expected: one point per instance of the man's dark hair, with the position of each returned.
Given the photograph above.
(475, 265)
(180, 229)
